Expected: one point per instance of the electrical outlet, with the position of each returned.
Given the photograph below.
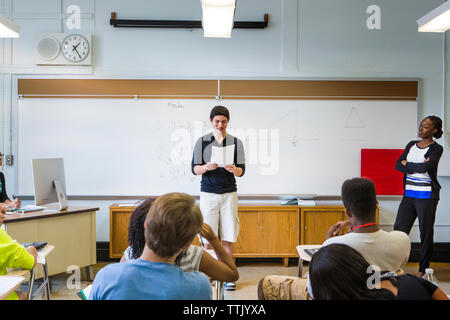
(9, 160)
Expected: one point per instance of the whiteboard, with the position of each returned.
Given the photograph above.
(124, 147)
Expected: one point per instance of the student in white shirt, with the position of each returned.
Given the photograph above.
(388, 250)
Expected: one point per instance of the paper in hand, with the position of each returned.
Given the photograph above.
(222, 155)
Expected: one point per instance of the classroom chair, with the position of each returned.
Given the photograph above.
(41, 260)
(304, 257)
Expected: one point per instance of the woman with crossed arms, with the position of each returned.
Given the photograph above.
(419, 163)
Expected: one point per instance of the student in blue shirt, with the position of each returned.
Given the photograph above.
(170, 227)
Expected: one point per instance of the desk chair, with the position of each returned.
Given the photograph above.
(218, 286)
(304, 257)
(42, 260)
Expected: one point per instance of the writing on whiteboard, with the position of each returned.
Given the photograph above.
(262, 146)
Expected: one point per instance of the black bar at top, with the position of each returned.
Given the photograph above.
(189, 24)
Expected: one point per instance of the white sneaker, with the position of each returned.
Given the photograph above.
(230, 286)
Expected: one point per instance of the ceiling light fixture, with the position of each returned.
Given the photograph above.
(437, 20)
(218, 18)
(8, 29)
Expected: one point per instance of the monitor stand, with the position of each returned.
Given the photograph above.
(62, 199)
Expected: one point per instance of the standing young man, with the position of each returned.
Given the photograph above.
(218, 192)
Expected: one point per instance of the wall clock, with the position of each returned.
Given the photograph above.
(75, 48)
(63, 49)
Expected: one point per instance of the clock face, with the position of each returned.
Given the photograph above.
(75, 48)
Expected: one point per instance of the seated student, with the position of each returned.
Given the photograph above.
(389, 250)
(339, 272)
(4, 200)
(193, 259)
(170, 227)
(14, 255)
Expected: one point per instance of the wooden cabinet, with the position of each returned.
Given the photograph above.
(316, 221)
(265, 231)
(249, 238)
(119, 218)
(268, 231)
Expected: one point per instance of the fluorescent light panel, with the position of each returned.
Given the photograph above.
(218, 18)
(8, 29)
(437, 20)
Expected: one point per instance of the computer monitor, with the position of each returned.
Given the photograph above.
(49, 182)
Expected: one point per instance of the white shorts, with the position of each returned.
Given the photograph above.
(220, 211)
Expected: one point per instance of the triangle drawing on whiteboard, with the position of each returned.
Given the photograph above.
(354, 120)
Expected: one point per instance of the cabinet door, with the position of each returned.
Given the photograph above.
(119, 221)
(279, 232)
(248, 238)
(316, 224)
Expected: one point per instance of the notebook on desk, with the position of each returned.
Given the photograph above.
(27, 208)
(310, 252)
(84, 293)
(7, 283)
(38, 244)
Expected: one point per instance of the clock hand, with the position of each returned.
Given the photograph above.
(75, 47)
(77, 52)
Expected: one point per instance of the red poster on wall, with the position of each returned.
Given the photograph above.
(378, 165)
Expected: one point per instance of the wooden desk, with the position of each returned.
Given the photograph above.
(303, 256)
(266, 231)
(71, 231)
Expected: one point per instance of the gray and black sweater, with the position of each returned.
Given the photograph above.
(220, 180)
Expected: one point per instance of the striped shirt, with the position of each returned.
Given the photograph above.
(418, 185)
(190, 262)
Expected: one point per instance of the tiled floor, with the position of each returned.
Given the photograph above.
(250, 274)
